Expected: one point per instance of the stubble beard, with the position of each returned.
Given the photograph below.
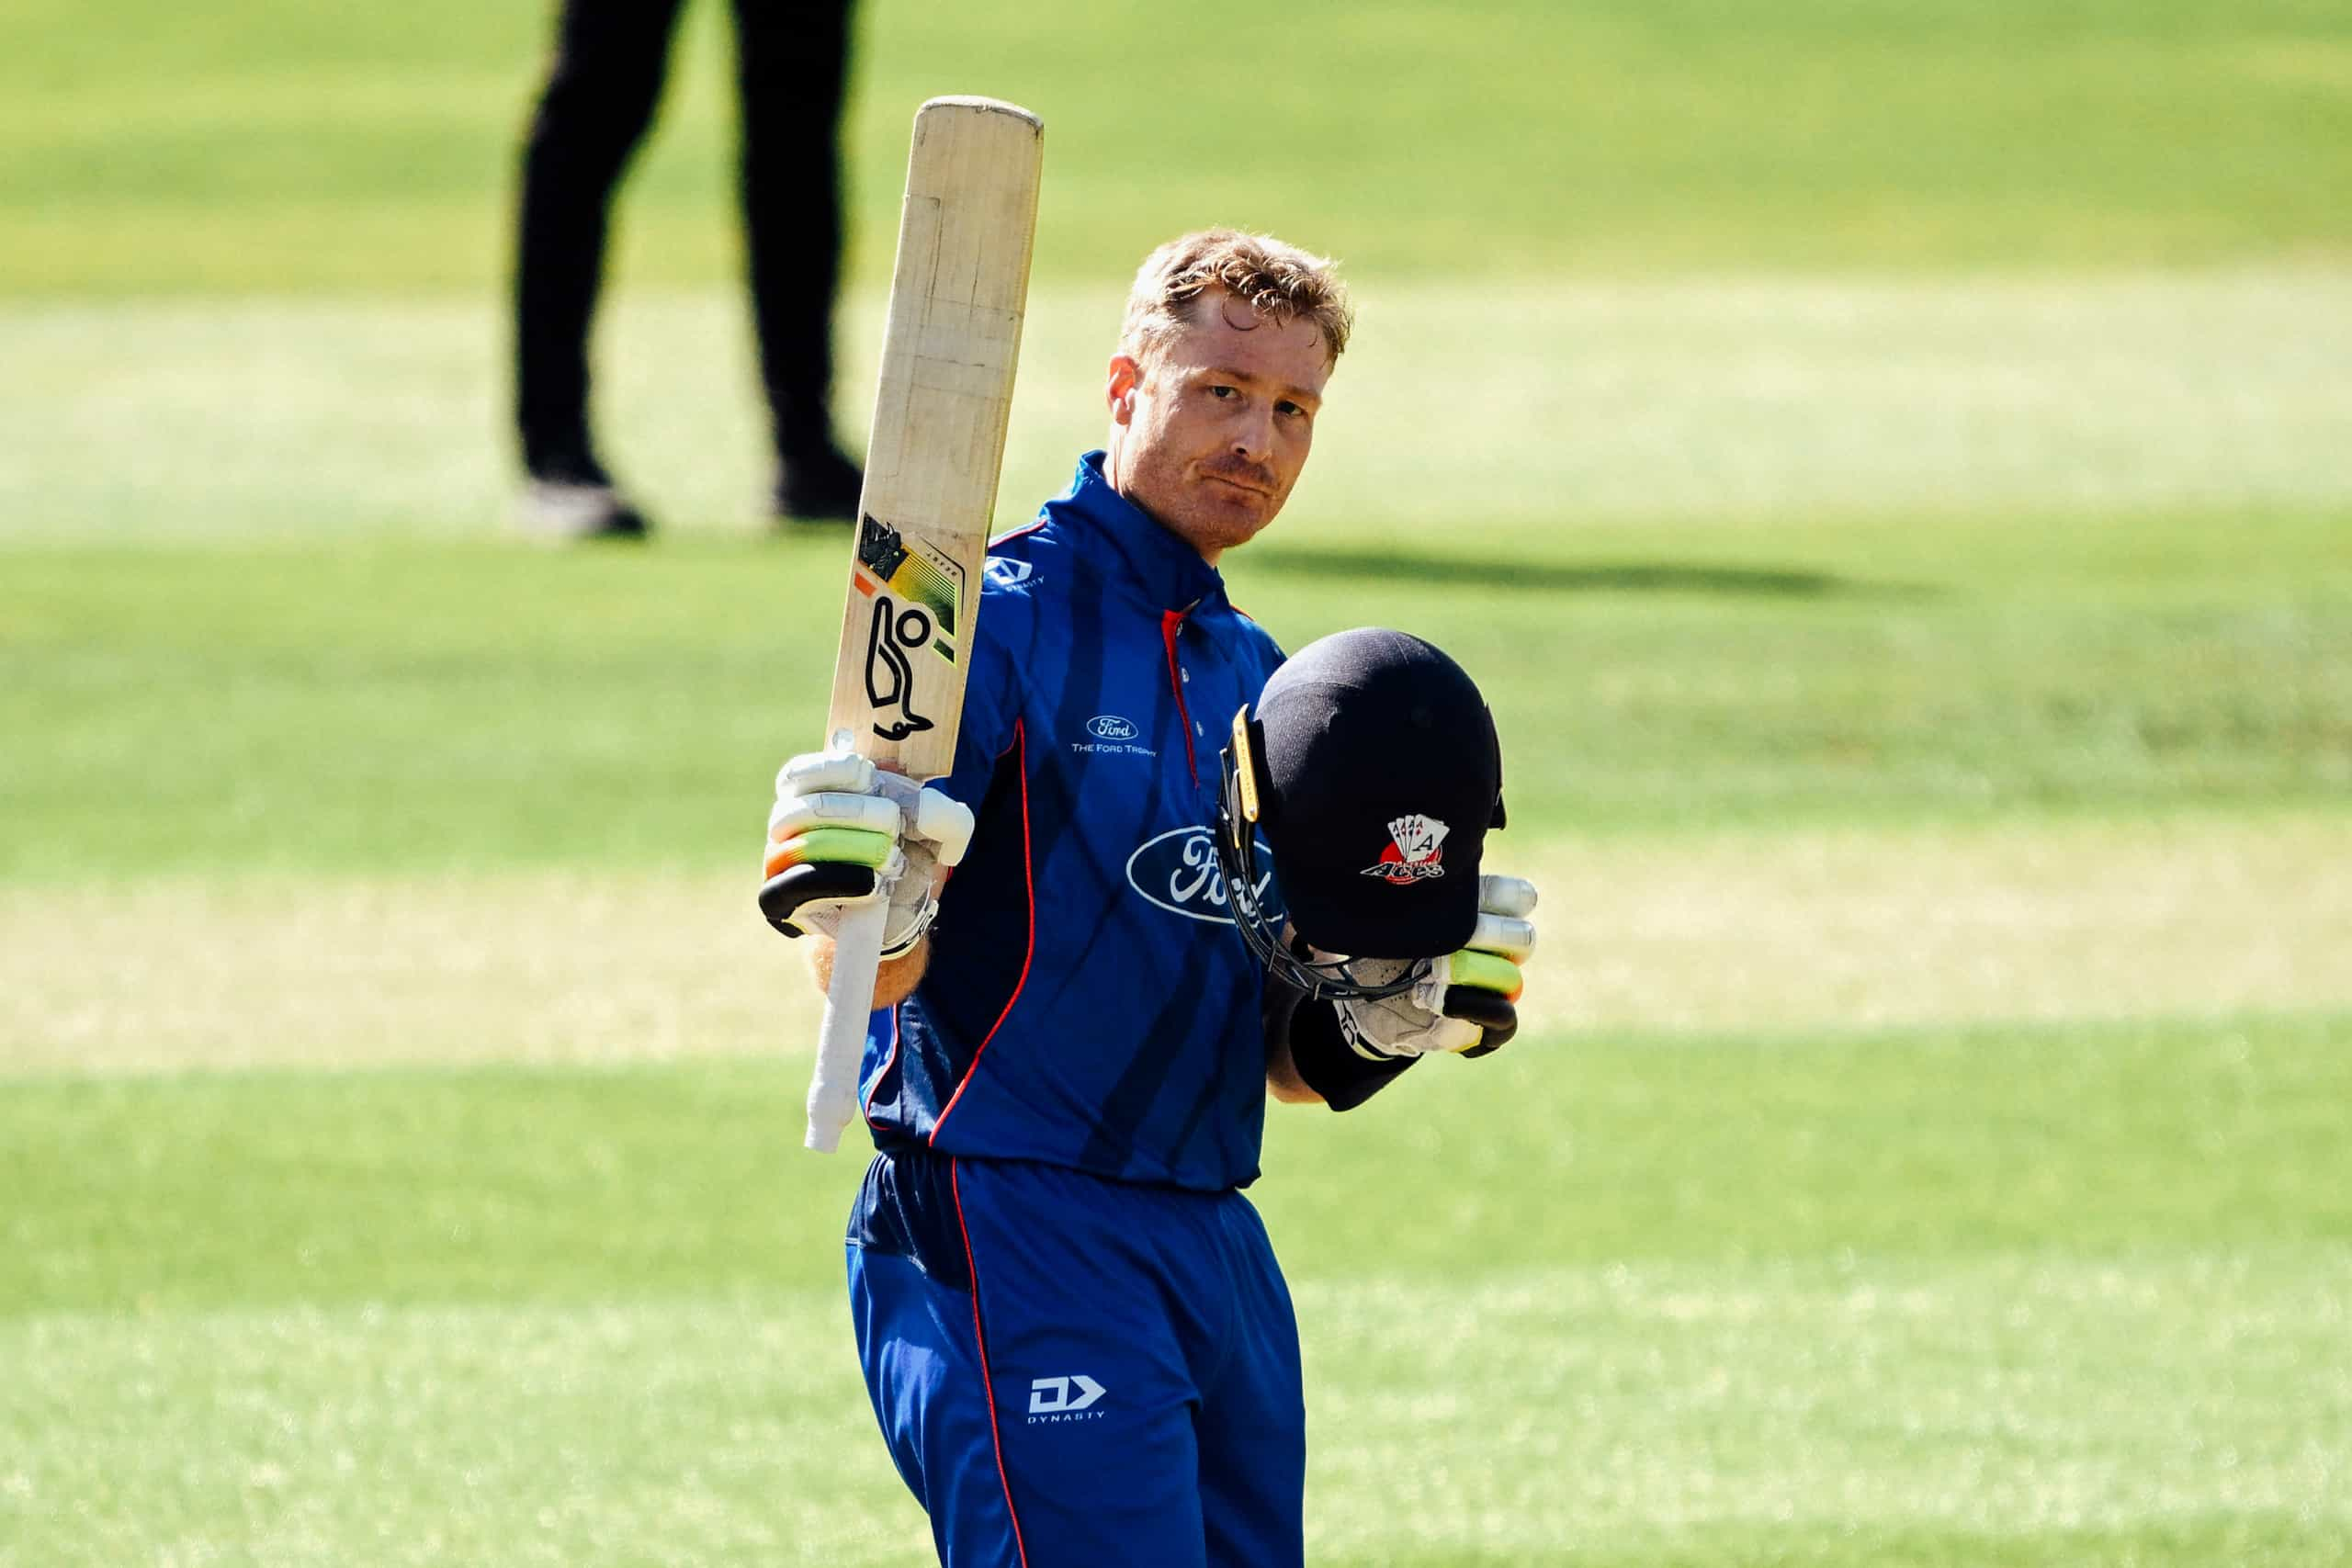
(1192, 506)
(1220, 518)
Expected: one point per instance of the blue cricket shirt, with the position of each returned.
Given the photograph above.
(1088, 1003)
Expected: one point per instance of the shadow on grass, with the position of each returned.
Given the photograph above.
(1588, 577)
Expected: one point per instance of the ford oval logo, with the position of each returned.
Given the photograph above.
(1177, 871)
(1110, 727)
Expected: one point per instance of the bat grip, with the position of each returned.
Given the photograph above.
(841, 1043)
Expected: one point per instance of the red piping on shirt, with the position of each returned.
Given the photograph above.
(1029, 881)
(1020, 533)
(981, 1342)
(1171, 622)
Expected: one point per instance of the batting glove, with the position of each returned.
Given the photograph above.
(1468, 1003)
(845, 834)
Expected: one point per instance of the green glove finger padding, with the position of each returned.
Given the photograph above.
(1488, 971)
(846, 846)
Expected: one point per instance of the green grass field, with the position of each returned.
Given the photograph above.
(1886, 464)
(147, 150)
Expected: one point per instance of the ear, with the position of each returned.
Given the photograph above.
(1119, 390)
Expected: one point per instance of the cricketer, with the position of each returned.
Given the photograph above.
(1078, 1346)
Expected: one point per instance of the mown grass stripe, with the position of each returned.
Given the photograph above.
(1836, 931)
(1752, 398)
(1843, 1411)
(493, 1184)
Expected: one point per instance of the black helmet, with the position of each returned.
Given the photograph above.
(1370, 766)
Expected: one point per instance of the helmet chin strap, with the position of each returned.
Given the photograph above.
(1331, 979)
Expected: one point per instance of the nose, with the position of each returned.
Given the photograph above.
(1253, 433)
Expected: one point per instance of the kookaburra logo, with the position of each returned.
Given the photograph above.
(889, 679)
(1413, 854)
(1062, 1399)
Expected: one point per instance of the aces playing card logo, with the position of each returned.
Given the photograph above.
(1414, 854)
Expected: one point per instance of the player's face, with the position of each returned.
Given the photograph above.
(1210, 431)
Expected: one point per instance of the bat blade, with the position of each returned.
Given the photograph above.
(958, 293)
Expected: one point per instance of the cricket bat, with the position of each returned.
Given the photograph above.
(957, 294)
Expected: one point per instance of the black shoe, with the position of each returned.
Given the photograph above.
(573, 499)
(818, 486)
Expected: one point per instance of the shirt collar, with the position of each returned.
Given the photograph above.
(1170, 570)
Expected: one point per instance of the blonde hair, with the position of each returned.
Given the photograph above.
(1279, 281)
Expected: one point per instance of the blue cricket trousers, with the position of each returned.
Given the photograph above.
(1074, 1372)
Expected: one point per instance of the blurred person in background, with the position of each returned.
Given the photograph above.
(603, 85)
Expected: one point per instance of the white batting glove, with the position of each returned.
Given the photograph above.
(1468, 1003)
(843, 833)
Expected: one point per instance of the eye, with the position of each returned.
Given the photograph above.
(1224, 394)
(1289, 409)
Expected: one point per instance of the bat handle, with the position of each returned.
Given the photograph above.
(841, 1043)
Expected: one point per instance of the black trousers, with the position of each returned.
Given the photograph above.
(792, 62)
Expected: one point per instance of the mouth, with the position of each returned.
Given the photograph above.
(1237, 484)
